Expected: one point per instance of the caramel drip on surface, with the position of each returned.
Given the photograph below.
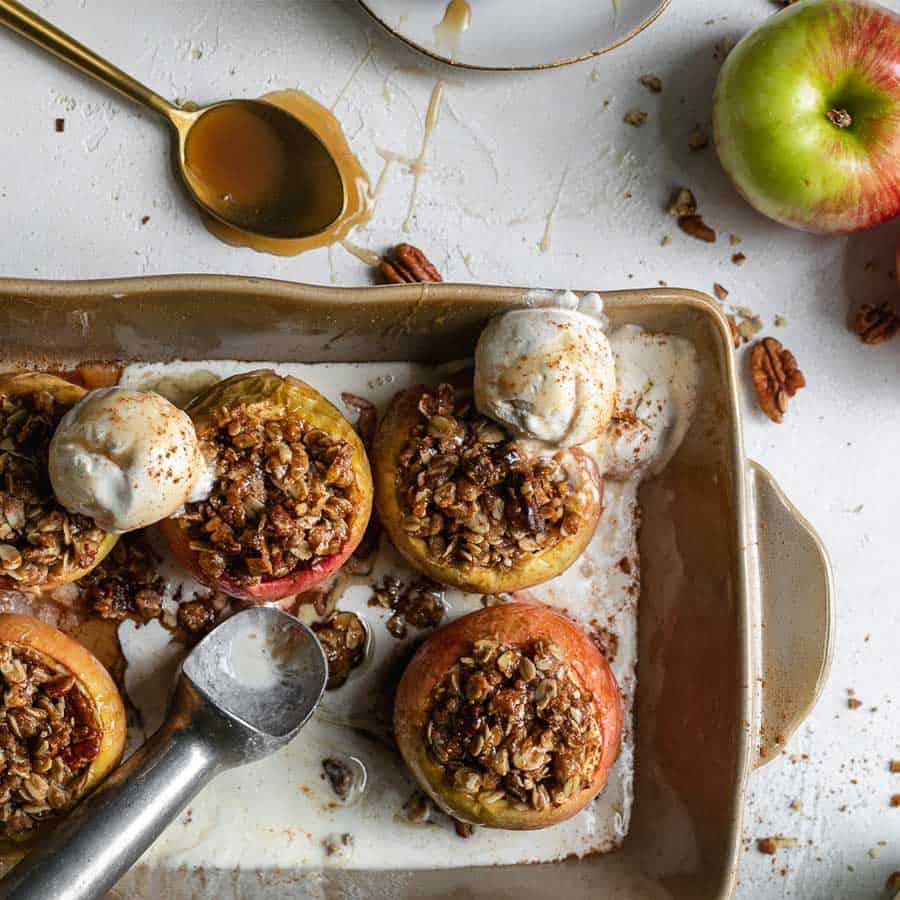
(363, 254)
(548, 225)
(448, 32)
(358, 203)
(416, 165)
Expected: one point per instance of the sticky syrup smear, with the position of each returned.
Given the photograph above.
(548, 225)
(358, 206)
(356, 70)
(448, 32)
(415, 166)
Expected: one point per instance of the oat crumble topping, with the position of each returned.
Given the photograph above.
(468, 493)
(39, 539)
(420, 604)
(343, 638)
(514, 724)
(126, 583)
(49, 735)
(281, 499)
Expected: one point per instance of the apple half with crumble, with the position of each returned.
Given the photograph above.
(291, 493)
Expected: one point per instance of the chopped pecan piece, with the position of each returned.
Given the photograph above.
(776, 377)
(697, 228)
(408, 265)
(876, 324)
(368, 416)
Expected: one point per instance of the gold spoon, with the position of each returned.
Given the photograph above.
(248, 163)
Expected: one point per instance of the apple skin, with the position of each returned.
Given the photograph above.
(770, 116)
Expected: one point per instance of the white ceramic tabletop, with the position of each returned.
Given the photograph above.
(510, 152)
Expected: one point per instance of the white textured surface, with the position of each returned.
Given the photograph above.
(71, 206)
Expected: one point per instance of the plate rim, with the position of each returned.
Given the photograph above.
(555, 64)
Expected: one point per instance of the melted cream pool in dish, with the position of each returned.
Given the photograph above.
(282, 812)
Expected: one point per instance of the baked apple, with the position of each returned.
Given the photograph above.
(509, 717)
(41, 544)
(62, 725)
(468, 506)
(291, 494)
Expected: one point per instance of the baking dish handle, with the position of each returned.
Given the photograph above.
(793, 578)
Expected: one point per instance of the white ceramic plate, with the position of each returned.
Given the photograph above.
(514, 34)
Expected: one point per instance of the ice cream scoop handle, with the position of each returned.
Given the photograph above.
(91, 849)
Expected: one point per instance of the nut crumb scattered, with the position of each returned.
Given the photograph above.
(652, 83)
(780, 321)
(734, 240)
(60, 125)
(895, 800)
(635, 117)
(738, 259)
(463, 829)
(666, 240)
(853, 703)
(720, 292)
(145, 220)
(770, 845)
(335, 844)
(895, 766)
(683, 203)
(750, 325)
(698, 139)
(796, 805)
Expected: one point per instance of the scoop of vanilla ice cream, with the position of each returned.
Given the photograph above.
(127, 459)
(547, 374)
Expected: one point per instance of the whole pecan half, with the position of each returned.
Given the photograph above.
(876, 324)
(406, 264)
(776, 377)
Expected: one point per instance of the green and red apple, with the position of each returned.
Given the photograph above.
(807, 115)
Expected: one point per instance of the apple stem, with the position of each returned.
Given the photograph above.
(839, 117)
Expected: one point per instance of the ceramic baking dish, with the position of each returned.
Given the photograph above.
(736, 607)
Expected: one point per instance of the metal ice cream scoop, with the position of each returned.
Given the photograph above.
(244, 691)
